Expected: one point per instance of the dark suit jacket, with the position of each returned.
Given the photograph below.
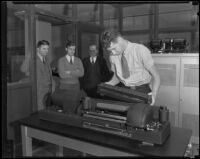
(44, 80)
(102, 72)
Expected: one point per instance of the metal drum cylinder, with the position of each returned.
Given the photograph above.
(163, 114)
(139, 115)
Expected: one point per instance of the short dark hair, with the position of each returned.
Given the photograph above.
(108, 36)
(69, 43)
(93, 45)
(42, 42)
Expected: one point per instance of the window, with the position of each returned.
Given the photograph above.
(142, 38)
(111, 17)
(176, 15)
(63, 9)
(17, 59)
(88, 13)
(179, 21)
(136, 17)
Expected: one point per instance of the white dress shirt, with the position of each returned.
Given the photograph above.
(139, 59)
(93, 58)
(69, 58)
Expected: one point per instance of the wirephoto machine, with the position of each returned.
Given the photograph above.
(131, 118)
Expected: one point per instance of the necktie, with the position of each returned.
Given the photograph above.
(125, 70)
(71, 62)
(44, 61)
(92, 60)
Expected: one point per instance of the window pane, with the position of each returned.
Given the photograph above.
(110, 11)
(18, 67)
(177, 15)
(136, 23)
(44, 6)
(142, 39)
(111, 17)
(184, 16)
(136, 17)
(111, 23)
(165, 8)
(63, 9)
(177, 19)
(88, 12)
(136, 10)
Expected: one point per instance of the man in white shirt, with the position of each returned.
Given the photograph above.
(131, 63)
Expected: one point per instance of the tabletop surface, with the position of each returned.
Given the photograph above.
(175, 145)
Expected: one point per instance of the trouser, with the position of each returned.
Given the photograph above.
(43, 96)
(68, 97)
(92, 92)
(75, 86)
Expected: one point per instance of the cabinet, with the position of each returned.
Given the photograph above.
(179, 89)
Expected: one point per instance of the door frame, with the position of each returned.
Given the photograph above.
(87, 28)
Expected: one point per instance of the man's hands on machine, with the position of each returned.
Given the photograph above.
(151, 94)
(108, 83)
(153, 97)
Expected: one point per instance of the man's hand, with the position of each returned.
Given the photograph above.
(68, 74)
(153, 97)
(109, 83)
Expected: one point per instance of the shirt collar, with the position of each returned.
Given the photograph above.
(40, 56)
(68, 58)
(94, 58)
(127, 48)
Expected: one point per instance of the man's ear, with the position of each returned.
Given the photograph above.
(66, 49)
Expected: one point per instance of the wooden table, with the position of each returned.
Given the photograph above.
(97, 143)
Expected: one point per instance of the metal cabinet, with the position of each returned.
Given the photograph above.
(189, 95)
(168, 95)
(179, 89)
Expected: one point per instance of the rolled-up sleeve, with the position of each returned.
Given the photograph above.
(145, 55)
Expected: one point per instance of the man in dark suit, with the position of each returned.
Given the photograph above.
(45, 83)
(95, 72)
